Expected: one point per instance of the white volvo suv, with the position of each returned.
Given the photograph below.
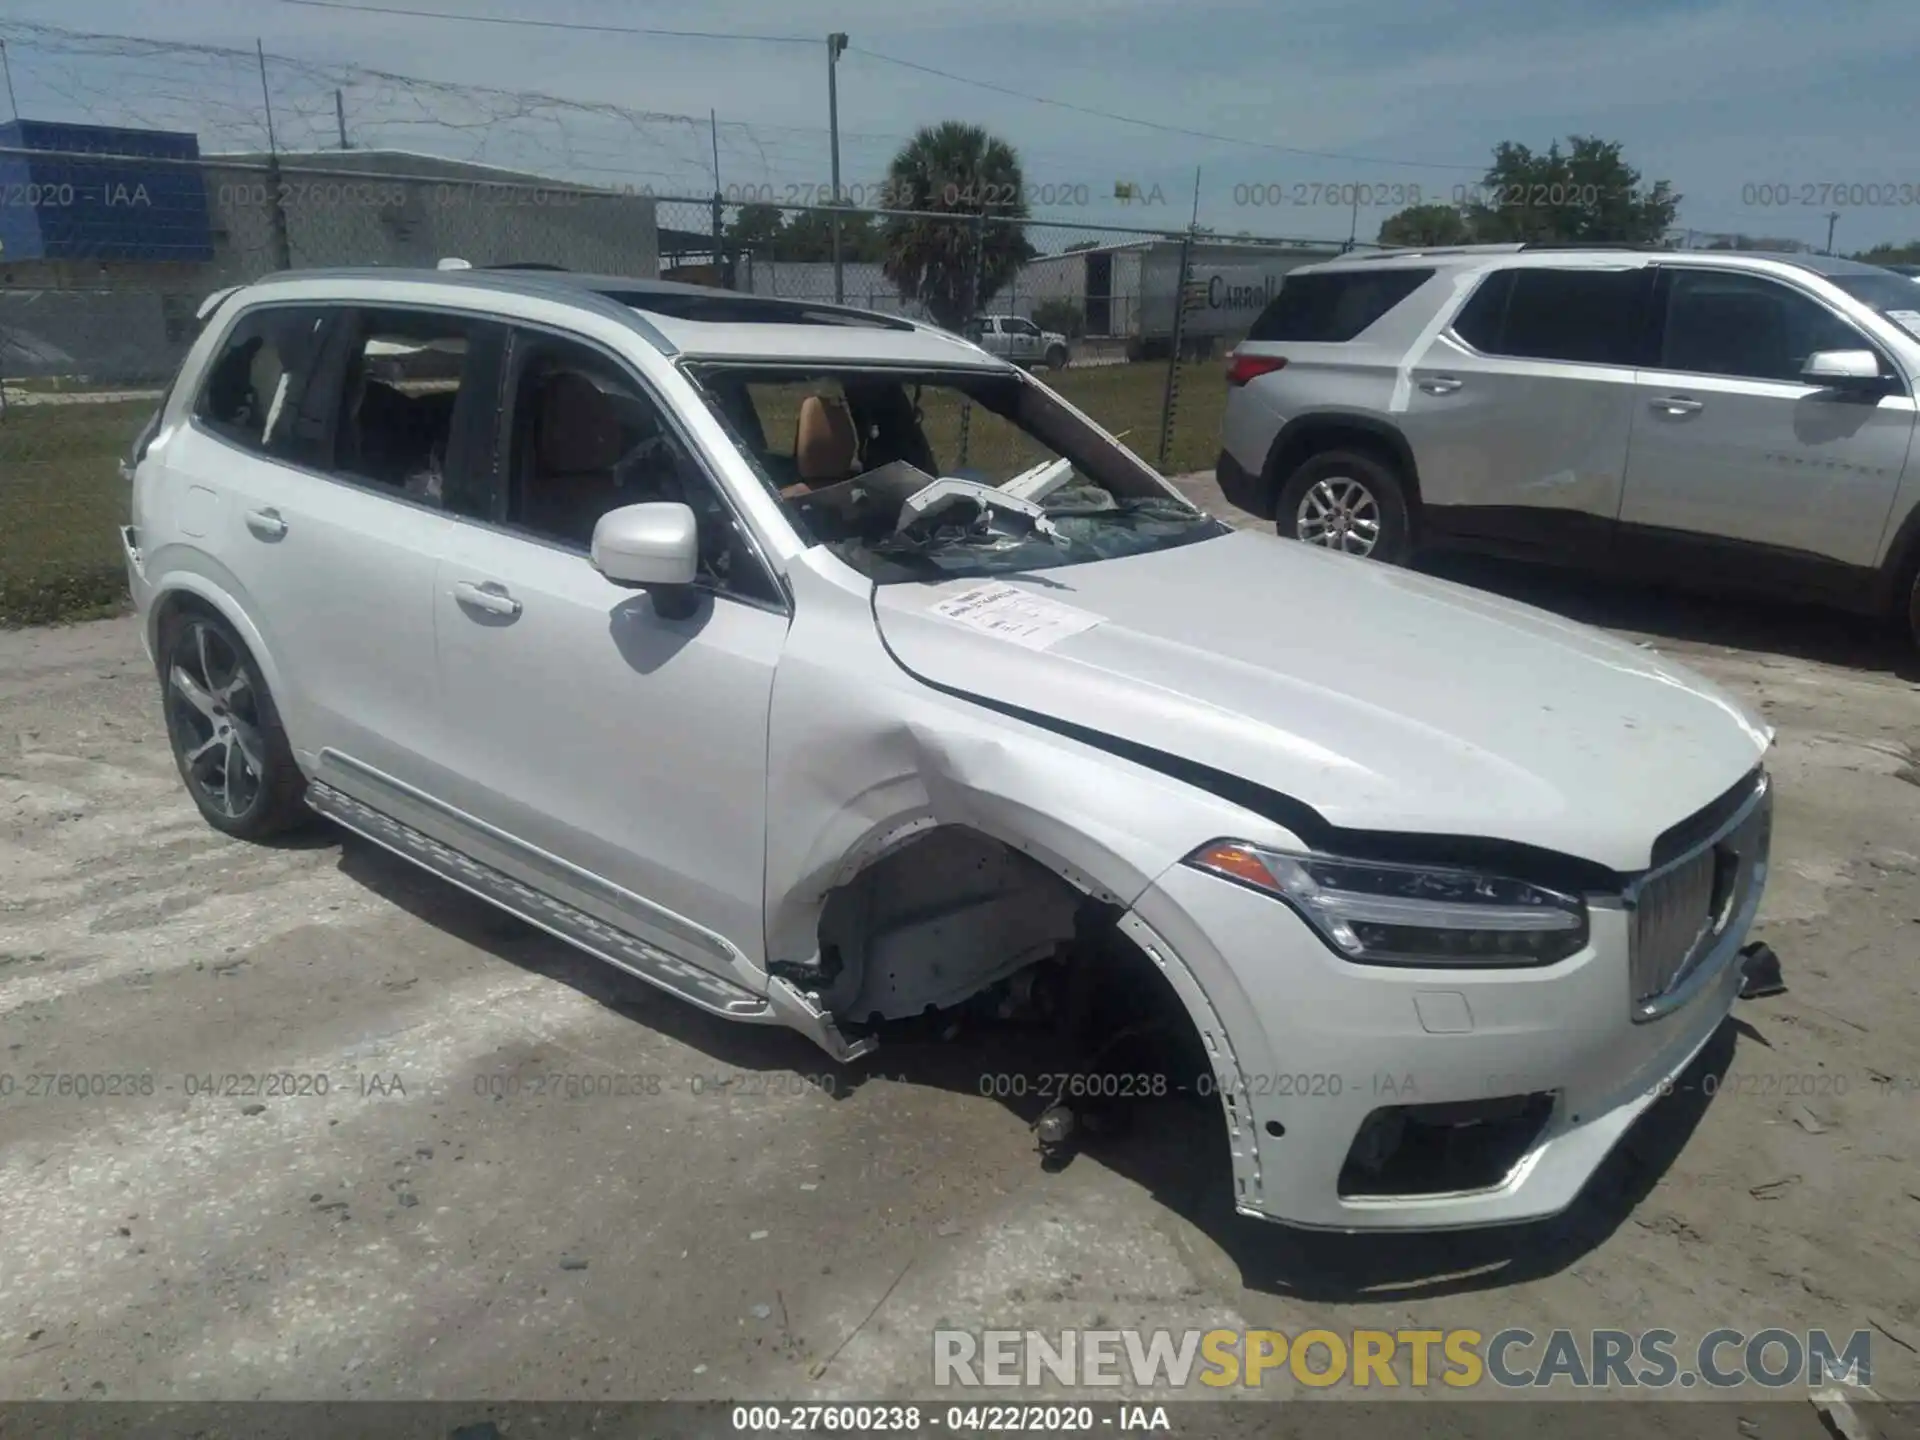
(822, 669)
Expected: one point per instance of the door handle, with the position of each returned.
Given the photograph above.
(1678, 405)
(491, 597)
(266, 523)
(1440, 384)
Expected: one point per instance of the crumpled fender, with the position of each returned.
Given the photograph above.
(863, 757)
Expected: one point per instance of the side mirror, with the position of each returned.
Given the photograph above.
(654, 547)
(1843, 370)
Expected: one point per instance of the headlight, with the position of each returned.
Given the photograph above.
(1378, 914)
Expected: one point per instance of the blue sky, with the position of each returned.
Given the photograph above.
(1716, 96)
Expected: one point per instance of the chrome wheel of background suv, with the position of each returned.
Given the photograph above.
(1339, 513)
(1346, 501)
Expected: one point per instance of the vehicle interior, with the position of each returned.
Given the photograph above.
(890, 467)
(583, 443)
(583, 440)
(245, 394)
(401, 387)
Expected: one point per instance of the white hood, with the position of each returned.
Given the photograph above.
(1382, 699)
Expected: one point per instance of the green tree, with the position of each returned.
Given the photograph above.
(1062, 316)
(1775, 243)
(809, 236)
(1426, 225)
(756, 228)
(954, 267)
(1585, 194)
(1887, 253)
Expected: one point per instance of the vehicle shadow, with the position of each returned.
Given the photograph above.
(1762, 624)
(1173, 1147)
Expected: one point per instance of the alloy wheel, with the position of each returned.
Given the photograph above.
(214, 712)
(1339, 513)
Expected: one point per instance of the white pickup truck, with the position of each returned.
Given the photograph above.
(1018, 340)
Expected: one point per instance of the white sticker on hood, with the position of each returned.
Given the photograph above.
(1010, 613)
(1907, 320)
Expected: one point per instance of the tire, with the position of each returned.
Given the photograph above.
(1057, 358)
(1347, 501)
(226, 735)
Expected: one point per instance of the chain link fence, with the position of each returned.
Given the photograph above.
(105, 259)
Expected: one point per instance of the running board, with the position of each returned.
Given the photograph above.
(802, 1011)
(617, 948)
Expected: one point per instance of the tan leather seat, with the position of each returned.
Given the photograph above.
(825, 449)
(577, 441)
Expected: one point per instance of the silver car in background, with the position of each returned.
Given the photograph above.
(1737, 419)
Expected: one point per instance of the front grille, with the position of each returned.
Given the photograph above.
(1682, 912)
(1673, 918)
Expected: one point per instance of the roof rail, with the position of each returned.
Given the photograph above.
(1585, 245)
(1508, 247)
(1415, 251)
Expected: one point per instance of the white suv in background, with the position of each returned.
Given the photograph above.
(1734, 419)
(699, 630)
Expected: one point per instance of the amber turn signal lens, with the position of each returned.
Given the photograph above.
(1237, 861)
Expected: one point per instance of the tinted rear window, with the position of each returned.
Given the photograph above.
(1483, 319)
(1595, 316)
(1335, 307)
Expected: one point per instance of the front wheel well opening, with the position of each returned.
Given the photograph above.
(960, 939)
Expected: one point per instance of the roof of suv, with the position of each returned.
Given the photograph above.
(1465, 255)
(702, 320)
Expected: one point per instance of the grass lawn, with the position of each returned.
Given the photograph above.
(1127, 398)
(61, 497)
(61, 503)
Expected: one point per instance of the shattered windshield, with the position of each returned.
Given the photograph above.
(916, 475)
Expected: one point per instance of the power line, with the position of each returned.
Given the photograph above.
(554, 24)
(1096, 112)
(352, 5)
(1135, 119)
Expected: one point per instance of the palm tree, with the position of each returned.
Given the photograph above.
(954, 267)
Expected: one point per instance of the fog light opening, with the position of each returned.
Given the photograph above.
(1404, 1151)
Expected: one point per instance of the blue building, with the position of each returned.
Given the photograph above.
(58, 202)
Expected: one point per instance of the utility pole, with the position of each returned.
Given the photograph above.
(720, 267)
(836, 43)
(1170, 396)
(1833, 219)
(340, 116)
(6, 67)
(282, 249)
(1353, 230)
(266, 99)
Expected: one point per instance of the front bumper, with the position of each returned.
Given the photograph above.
(1320, 1045)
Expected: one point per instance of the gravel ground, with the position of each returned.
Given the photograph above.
(430, 1227)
